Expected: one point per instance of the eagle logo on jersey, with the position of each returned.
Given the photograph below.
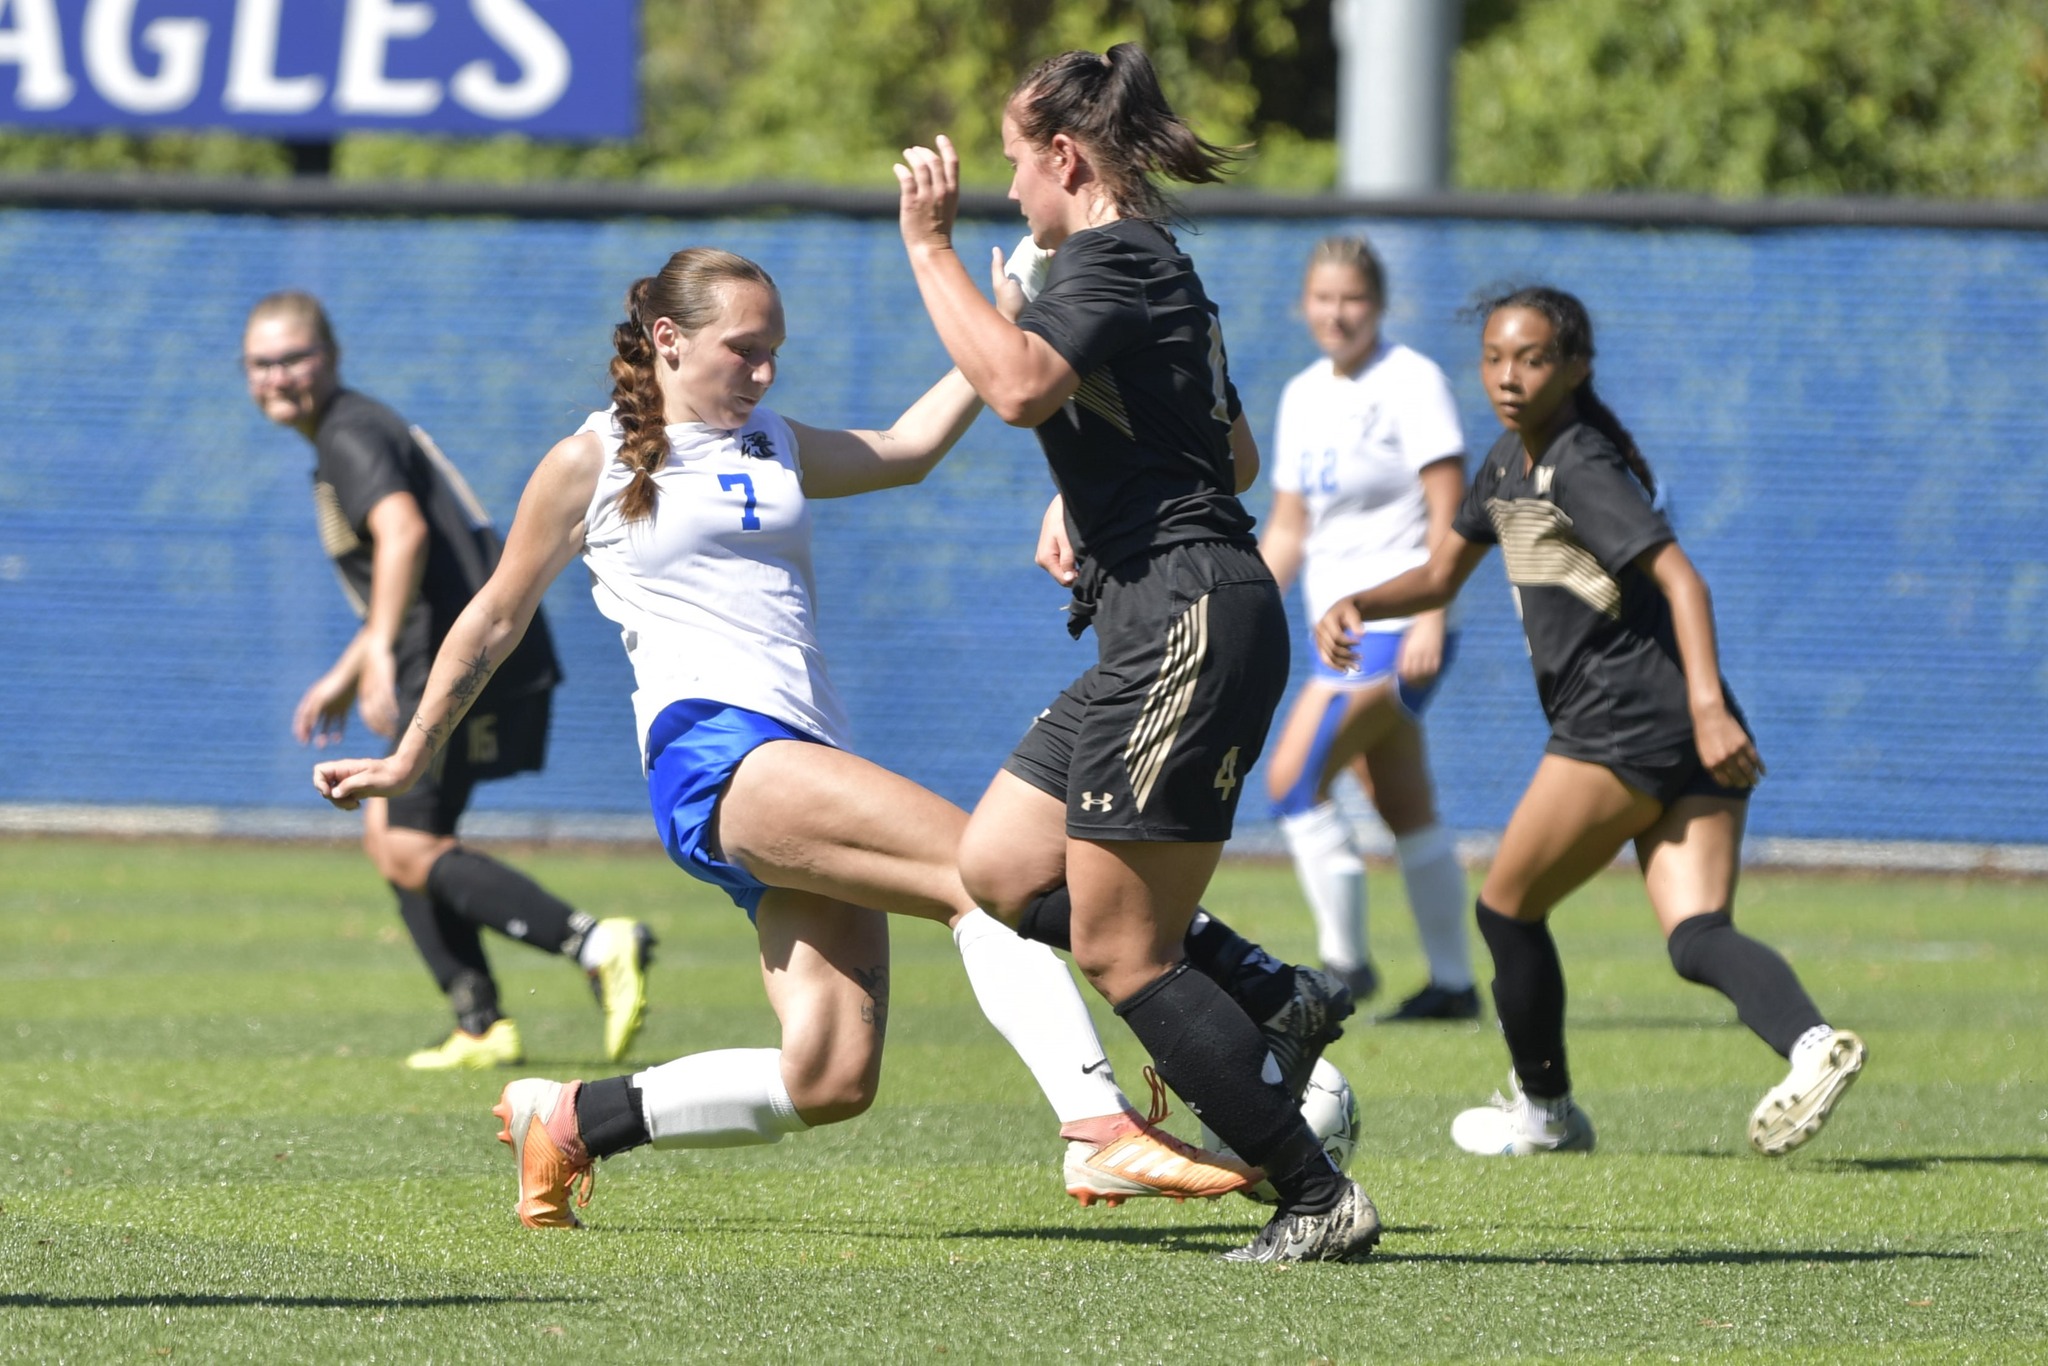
(757, 445)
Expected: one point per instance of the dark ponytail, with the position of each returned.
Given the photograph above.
(1573, 328)
(1112, 105)
(689, 292)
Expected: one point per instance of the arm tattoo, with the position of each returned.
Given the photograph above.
(463, 692)
(875, 1010)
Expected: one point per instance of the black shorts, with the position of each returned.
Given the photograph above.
(1667, 775)
(1155, 741)
(499, 737)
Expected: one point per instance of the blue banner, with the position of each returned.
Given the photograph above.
(312, 68)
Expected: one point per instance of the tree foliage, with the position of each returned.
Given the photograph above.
(1750, 97)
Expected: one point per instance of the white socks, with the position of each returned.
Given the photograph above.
(597, 942)
(1029, 996)
(1814, 1039)
(1333, 879)
(1440, 901)
(725, 1099)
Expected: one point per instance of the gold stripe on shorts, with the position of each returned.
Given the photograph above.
(1166, 705)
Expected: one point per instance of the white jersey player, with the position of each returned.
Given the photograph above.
(688, 501)
(1368, 469)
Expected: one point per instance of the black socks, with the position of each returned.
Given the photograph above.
(484, 891)
(1708, 949)
(608, 1116)
(1528, 995)
(1212, 1055)
(1257, 981)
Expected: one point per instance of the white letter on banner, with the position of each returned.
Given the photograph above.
(542, 56)
(254, 86)
(180, 47)
(36, 44)
(365, 34)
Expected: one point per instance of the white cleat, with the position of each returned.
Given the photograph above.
(1793, 1111)
(1514, 1126)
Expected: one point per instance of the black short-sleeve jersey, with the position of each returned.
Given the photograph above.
(1570, 528)
(1141, 452)
(364, 452)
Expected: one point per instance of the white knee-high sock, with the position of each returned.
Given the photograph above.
(1437, 896)
(725, 1099)
(1333, 879)
(1029, 996)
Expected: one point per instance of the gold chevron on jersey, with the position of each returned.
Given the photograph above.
(1537, 544)
(1099, 395)
(337, 538)
(1167, 703)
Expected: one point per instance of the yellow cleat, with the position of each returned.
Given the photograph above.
(540, 1126)
(620, 981)
(497, 1046)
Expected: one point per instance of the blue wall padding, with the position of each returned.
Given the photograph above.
(1850, 420)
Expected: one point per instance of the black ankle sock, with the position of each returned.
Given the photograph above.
(1214, 1058)
(474, 998)
(1049, 919)
(1708, 949)
(1528, 995)
(608, 1116)
(1255, 979)
(484, 891)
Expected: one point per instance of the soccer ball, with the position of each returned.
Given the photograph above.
(1332, 1114)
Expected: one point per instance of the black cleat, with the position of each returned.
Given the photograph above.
(1313, 1019)
(1347, 1233)
(1436, 1003)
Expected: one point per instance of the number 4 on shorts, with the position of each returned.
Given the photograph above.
(1226, 774)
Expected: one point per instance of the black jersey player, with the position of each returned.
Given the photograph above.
(1104, 826)
(411, 545)
(1646, 741)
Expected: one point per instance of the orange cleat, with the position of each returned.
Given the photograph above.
(1145, 1160)
(540, 1125)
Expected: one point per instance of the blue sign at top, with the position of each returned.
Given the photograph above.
(310, 68)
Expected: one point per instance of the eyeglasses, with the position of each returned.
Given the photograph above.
(256, 366)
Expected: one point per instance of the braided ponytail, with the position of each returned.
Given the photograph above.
(637, 404)
(690, 292)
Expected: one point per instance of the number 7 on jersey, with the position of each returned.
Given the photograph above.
(729, 482)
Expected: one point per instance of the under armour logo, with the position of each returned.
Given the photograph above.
(757, 445)
(1091, 802)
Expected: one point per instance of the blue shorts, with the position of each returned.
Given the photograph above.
(693, 749)
(1377, 653)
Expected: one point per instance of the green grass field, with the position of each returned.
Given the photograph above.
(211, 1153)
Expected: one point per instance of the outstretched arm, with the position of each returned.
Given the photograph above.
(838, 464)
(1016, 372)
(1429, 585)
(1725, 747)
(546, 534)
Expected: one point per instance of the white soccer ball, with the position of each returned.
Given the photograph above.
(1332, 1115)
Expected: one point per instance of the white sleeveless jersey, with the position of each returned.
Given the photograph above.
(713, 593)
(1353, 447)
